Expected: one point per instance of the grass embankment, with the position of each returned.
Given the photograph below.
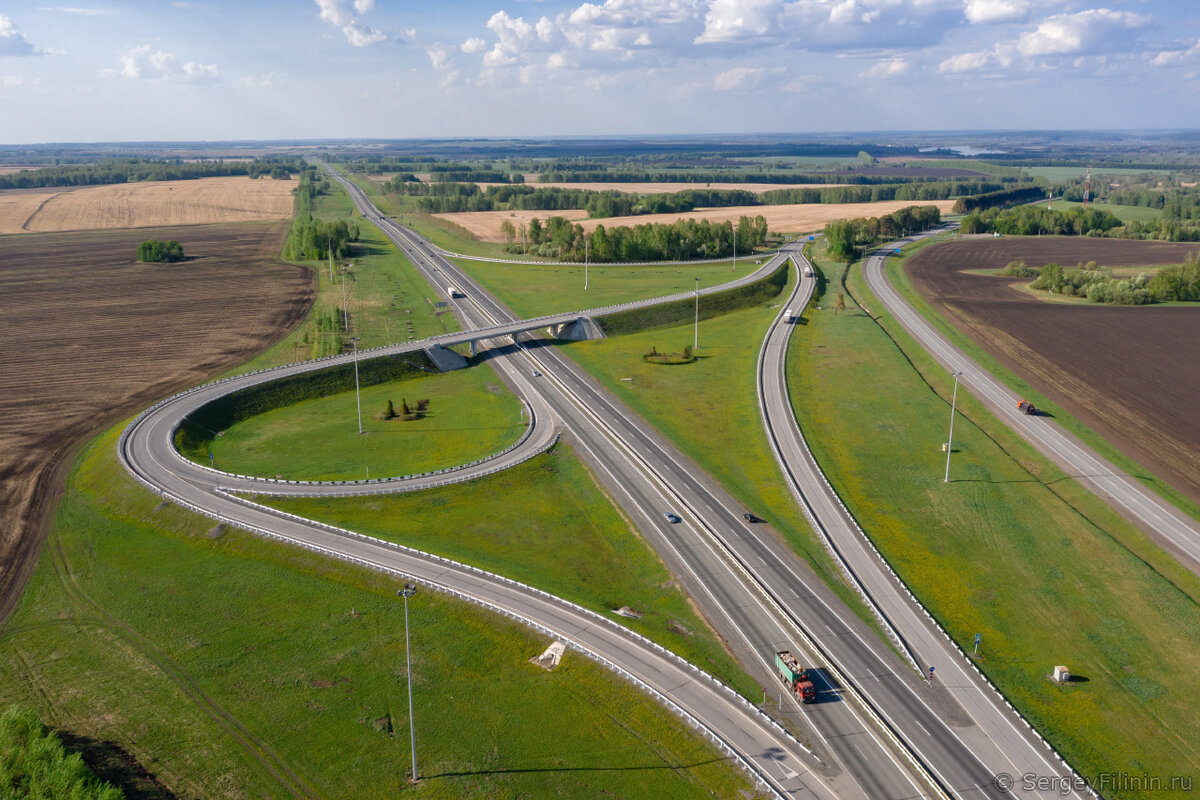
(526, 523)
(223, 663)
(387, 299)
(1011, 548)
(470, 415)
(900, 280)
(1123, 213)
(709, 409)
(532, 290)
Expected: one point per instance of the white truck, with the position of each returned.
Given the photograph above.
(454, 292)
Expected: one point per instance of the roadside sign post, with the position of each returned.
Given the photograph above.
(977, 637)
(931, 676)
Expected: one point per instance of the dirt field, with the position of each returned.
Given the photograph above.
(790, 218)
(91, 335)
(1128, 373)
(153, 203)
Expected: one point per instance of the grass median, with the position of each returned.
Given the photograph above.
(236, 667)
(1011, 548)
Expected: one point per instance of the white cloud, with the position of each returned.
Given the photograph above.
(267, 80)
(87, 12)
(344, 14)
(1170, 58)
(440, 56)
(741, 77)
(984, 11)
(887, 68)
(728, 20)
(147, 63)
(1092, 32)
(473, 45)
(966, 62)
(12, 41)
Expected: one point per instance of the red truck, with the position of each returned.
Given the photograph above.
(1026, 407)
(795, 676)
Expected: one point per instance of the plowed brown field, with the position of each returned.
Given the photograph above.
(136, 205)
(1128, 373)
(793, 218)
(90, 336)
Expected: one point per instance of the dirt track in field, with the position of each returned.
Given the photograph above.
(797, 218)
(150, 203)
(92, 336)
(1129, 373)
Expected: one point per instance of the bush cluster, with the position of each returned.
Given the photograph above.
(33, 763)
(153, 251)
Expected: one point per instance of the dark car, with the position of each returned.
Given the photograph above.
(750, 517)
(672, 516)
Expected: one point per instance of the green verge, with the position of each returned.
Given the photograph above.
(1123, 213)
(204, 657)
(899, 279)
(470, 415)
(1011, 548)
(527, 523)
(709, 409)
(532, 290)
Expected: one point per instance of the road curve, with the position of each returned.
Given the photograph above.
(1179, 533)
(999, 738)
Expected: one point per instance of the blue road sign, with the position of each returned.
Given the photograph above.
(931, 670)
(977, 640)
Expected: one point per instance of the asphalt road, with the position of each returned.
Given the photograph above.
(1179, 533)
(982, 721)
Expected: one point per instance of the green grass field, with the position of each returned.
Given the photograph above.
(527, 523)
(223, 664)
(709, 409)
(533, 290)
(1123, 213)
(1011, 549)
(471, 414)
(1075, 173)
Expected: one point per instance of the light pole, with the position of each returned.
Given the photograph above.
(585, 263)
(734, 267)
(408, 591)
(345, 309)
(950, 444)
(696, 337)
(329, 251)
(357, 396)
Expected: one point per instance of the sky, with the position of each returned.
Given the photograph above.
(307, 69)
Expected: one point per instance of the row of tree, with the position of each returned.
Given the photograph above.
(724, 176)
(682, 240)
(311, 239)
(132, 170)
(999, 198)
(847, 237)
(1037, 220)
(441, 198)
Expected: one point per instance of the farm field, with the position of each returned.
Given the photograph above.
(138, 205)
(1010, 548)
(1117, 369)
(792, 218)
(1123, 213)
(91, 334)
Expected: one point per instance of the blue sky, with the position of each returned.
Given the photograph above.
(78, 70)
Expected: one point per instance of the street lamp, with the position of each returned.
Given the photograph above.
(696, 337)
(950, 443)
(585, 263)
(408, 591)
(345, 308)
(357, 395)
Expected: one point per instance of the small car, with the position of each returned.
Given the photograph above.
(537, 374)
(672, 516)
(749, 517)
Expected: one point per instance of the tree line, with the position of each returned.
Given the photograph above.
(847, 237)
(441, 198)
(1037, 220)
(133, 170)
(311, 239)
(725, 176)
(999, 198)
(682, 240)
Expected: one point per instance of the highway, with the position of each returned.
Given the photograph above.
(993, 732)
(1177, 532)
(757, 594)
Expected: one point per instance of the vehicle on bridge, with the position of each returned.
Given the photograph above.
(795, 676)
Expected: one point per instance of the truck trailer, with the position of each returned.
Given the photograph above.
(453, 292)
(794, 676)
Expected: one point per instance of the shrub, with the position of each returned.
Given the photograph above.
(153, 251)
(33, 763)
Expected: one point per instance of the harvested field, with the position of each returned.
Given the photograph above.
(790, 218)
(91, 335)
(1126, 372)
(152, 203)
